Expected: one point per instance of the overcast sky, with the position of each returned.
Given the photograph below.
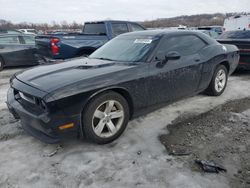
(40, 11)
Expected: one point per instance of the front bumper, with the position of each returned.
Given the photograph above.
(43, 126)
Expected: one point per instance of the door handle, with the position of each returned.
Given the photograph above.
(197, 59)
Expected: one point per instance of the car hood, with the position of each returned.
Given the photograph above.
(51, 77)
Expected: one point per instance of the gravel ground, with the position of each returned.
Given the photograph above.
(137, 159)
(220, 135)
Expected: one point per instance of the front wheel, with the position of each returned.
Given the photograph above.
(219, 81)
(105, 117)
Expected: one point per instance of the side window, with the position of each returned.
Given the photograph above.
(29, 39)
(185, 45)
(119, 28)
(135, 27)
(9, 40)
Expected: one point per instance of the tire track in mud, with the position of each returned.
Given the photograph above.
(221, 135)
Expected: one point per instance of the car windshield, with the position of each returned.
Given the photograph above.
(126, 49)
(235, 35)
(94, 28)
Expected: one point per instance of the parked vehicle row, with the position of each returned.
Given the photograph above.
(93, 36)
(242, 40)
(95, 97)
(17, 49)
(63, 45)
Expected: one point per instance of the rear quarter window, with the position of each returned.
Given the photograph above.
(185, 45)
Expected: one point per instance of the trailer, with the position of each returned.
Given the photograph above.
(239, 22)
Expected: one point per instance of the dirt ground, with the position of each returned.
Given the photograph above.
(221, 135)
(137, 158)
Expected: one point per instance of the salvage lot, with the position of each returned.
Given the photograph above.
(137, 158)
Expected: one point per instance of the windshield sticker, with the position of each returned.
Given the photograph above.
(143, 41)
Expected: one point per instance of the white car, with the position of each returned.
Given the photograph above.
(28, 31)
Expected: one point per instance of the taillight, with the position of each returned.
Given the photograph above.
(54, 47)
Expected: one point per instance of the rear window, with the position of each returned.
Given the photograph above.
(9, 40)
(235, 35)
(119, 28)
(94, 28)
(136, 27)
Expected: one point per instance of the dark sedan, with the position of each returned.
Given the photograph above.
(95, 97)
(17, 49)
(242, 40)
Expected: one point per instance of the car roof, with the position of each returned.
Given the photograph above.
(169, 32)
(161, 32)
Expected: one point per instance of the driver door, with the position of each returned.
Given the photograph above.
(171, 79)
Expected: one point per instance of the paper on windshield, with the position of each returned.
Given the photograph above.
(143, 41)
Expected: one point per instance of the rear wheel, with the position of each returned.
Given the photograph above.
(105, 117)
(218, 82)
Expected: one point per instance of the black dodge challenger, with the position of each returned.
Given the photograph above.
(95, 97)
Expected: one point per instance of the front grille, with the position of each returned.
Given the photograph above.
(29, 102)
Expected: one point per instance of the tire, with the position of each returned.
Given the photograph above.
(105, 117)
(219, 81)
(1, 64)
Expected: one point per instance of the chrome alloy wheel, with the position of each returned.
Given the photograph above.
(108, 118)
(220, 80)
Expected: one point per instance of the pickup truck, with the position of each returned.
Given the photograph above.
(93, 36)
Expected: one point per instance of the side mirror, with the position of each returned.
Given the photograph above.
(163, 58)
(173, 55)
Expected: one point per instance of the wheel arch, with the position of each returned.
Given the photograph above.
(122, 91)
(226, 64)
